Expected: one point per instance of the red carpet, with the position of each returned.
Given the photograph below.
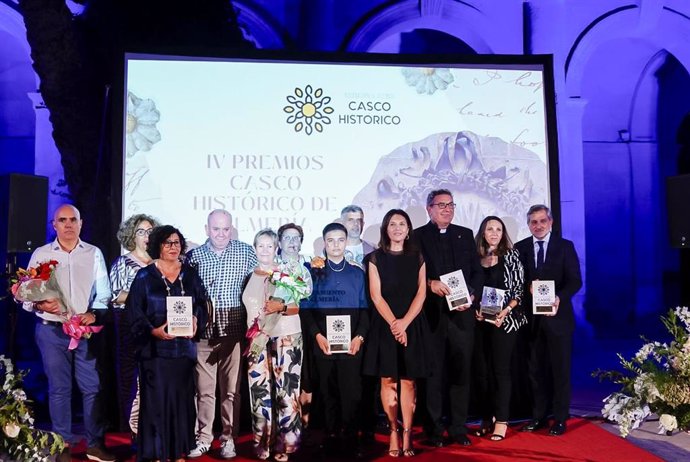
(584, 442)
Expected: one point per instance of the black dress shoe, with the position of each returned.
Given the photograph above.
(462, 440)
(557, 429)
(533, 425)
(435, 442)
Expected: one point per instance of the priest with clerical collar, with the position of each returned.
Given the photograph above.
(446, 248)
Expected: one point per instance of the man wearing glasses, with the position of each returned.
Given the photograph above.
(446, 248)
(83, 279)
(223, 264)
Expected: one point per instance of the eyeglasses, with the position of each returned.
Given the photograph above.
(169, 244)
(143, 232)
(287, 238)
(443, 205)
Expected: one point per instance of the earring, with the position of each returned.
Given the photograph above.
(407, 237)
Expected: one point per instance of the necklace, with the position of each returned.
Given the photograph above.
(165, 280)
(334, 269)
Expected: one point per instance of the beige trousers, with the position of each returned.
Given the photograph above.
(219, 362)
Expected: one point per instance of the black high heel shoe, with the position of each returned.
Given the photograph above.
(485, 429)
(394, 432)
(409, 452)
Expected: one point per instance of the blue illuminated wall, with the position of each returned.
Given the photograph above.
(622, 83)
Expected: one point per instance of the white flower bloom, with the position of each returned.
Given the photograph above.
(683, 313)
(667, 423)
(11, 429)
(644, 352)
(645, 388)
(428, 79)
(19, 395)
(625, 411)
(614, 405)
(142, 117)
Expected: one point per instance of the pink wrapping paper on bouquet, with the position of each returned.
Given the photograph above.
(76, 331)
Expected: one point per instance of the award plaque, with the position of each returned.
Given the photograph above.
(459, 295)
(543, 297)
(338, 333)
(492, 303)
(180, 317)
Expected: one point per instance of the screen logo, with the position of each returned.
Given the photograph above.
(308, 110)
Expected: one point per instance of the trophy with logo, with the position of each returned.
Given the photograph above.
(338, 333)
(459, 295)
(180, 316)
(543, 297)
(492, 303)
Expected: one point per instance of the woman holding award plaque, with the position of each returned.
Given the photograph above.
(274, 353)
(165, 304)
(398, 349)
(495, 338)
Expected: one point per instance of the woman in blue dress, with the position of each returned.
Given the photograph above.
(166, 363)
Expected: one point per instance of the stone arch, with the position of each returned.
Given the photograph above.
(613, 67)
(408, 15)
(668, 29)
(258, 26)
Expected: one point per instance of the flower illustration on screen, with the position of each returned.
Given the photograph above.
(427, 79)
(141, 131)
(308, 110)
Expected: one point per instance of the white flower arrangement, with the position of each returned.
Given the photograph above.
(656, 380)
(19, 439)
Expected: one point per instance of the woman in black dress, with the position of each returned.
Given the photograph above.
(166, 363)
(397, 349)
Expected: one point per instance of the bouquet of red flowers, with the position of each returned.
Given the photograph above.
(38, 283)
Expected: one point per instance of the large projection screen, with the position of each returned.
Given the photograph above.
(278, 141)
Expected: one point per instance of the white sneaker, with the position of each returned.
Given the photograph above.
(199, 450)
(227, 449)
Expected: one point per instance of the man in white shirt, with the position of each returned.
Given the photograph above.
(83, 279)
(352, 217)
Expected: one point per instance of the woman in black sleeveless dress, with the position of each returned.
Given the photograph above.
(396, 351)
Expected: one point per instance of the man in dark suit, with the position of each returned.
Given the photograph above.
(546, 256)
(446, 248)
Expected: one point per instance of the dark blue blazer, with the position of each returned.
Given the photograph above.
(562, 266)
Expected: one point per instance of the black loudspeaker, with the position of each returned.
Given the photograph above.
(24, 208)
(677, 200)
